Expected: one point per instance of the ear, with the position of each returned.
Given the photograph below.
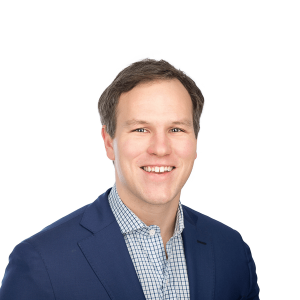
(108, 143)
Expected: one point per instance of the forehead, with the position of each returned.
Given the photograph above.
(155, 100)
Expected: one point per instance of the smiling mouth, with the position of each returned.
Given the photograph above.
(158, 170)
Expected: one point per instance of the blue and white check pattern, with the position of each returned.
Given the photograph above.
(160, 278)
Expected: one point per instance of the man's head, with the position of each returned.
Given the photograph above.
(143, 71)
(150, 116)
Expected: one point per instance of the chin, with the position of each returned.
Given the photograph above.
(158, 196)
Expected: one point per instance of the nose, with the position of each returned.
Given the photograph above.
(160, 145)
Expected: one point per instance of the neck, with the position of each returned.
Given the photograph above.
(162, 215)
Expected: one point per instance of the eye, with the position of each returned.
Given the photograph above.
(142, 130)
(139, 130)
(177, 129)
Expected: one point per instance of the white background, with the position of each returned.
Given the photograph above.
(57, 57)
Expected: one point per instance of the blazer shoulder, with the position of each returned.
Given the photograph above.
(65, 219)
(71, 228)
(67, 225)
(210, 225)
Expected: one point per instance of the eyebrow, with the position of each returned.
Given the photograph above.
(134, 122)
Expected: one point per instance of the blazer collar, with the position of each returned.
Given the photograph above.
(107, 253)
(198, 248)
(98, 214)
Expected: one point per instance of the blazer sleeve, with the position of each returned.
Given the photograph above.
(254, 289)
(26, 276)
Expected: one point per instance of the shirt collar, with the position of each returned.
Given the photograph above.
(129, 222)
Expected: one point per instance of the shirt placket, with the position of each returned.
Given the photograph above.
(169, 292)
(153, 245)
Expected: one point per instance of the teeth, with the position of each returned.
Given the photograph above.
(158, 169)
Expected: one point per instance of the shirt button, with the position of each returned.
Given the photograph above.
(152, 232)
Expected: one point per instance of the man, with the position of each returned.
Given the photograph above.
(137, 241)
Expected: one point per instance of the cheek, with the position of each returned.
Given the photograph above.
(186, 150)
(129, 150)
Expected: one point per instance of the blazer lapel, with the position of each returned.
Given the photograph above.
(107, 253)
(199, 258)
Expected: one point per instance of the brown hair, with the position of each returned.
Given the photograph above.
(144, 71)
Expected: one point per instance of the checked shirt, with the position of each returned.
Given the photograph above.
(160, 278)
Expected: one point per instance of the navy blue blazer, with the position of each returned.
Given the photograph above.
(84, 256)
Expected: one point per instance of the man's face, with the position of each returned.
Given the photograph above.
(154, 129)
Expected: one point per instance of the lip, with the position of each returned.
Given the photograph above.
(158, 165)
(158, 177)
